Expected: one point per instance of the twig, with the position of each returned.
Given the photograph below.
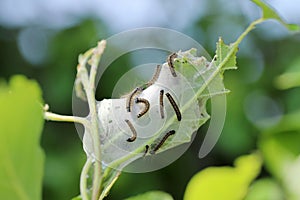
(106, 190)
(64, 118)
(88, 83)
(94, 61)
(83, 179)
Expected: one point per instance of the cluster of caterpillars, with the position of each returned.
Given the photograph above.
(131, 99)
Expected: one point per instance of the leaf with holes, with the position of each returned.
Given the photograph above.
(184, 107)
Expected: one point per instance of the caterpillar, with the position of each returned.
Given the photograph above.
(134, 134)
(162, 141)
(146, 150)
(170, 63)
(129, 101)
(155, 76)
(161, 104)
(147, 106)
(174, 105)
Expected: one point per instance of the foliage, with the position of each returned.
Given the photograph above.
(290, 78)
(278, 144)
(186, 63)
(269, 13)
(265, 188)
(152, 195)
(21, 123)
(232, 183)
(281, 151)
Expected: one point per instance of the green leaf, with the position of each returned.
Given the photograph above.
(289, 122)
(77, 198)
(152, 195)
(269, 13)
(291, 178)
(281, 154)
(279, 150)
(21, 123)
(222, 51)
(265, 189)
(290, 78)
(215, 183)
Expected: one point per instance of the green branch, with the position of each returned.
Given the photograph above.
(64, 118)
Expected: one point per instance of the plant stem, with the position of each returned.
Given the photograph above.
(109, 186)
(96, 143)
(83, 179)
(91, 57)
(94, 127)
(94, 62)
(249, 28)
(64, 118)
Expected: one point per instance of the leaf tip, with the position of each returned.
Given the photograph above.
(270, 13)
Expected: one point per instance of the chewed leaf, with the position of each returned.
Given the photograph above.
(79, 90)
(269, 13)
(126, 136)
(221, 53)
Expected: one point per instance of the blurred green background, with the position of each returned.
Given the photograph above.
(42, 40)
